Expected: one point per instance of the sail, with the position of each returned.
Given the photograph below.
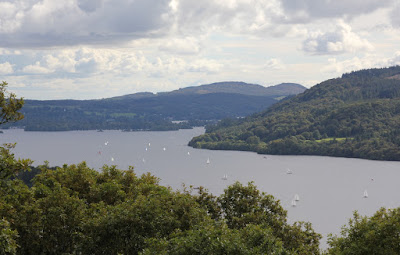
(365, 194)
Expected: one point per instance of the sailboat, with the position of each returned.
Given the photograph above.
(296, 197)
(225, 177)
(189, 153)
(294, 203)
(208, 160)
(288, 171)
(365, 194)
(164, 148)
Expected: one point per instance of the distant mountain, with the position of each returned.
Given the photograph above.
(357, 115)
(148, 111)
(283, 89)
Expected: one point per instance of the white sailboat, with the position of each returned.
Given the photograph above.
(189, 153)
(225, 177)
(208, 160)
(288, 171)
(164, 149)
(365, 194)
(296, 197)
(294, 204)
(112, 159)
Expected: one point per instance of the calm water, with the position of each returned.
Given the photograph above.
(330, 189)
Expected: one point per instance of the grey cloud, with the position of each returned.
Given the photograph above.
(89, 5)
(395, 16)
(307, 10)
(56, 23)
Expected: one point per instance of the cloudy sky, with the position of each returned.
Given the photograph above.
(85, 49)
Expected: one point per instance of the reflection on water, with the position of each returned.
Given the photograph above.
(325, 190)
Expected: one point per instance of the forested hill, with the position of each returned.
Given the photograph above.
(356, 115)
(148, 111)
(229, 87)
(283, 89)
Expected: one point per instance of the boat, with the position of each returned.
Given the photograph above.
(208, 160)
(296, 197)
(294, 204)
(225, 177)
(288, 171)
(189, 153)
(146, 148)
(365, 194)
(164, 148)
(112, 159)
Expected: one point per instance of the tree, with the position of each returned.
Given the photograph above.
(8, 244)
(379, 235)
(218, 239)
(9, 105)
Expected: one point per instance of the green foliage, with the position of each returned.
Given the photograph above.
(9, 166)
(9, 105)
(379, 234)
(218, 239)
(8, 244)
(75, 209)
(354, 116)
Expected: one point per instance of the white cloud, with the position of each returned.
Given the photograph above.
(235, 16)
(6, 68)
(274, 64)
(395, 60)
(43, 23)
(36, 69)
(339, 41)
(205, 66)
(181, 46)
(358, 63)
(10, 17)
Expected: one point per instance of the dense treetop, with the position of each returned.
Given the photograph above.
(356, 115)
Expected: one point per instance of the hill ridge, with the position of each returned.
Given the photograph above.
(356, 115)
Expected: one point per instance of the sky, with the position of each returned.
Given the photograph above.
(88, 49)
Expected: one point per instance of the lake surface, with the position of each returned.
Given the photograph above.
(330, 189)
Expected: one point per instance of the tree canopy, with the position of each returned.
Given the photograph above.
(356, 115)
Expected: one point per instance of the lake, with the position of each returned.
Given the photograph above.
(329, 188)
